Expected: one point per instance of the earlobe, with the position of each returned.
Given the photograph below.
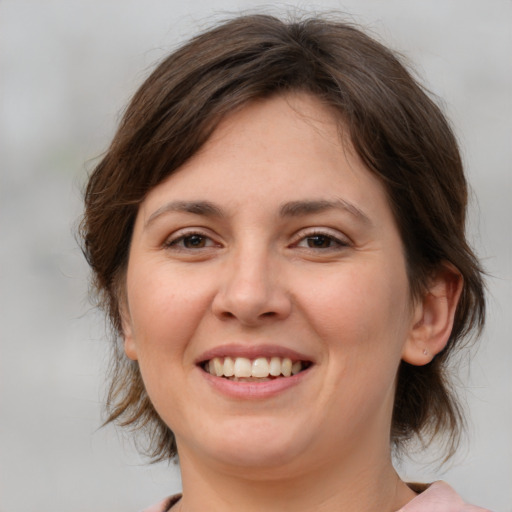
(129, 348)
(129, 342)
(433, 317)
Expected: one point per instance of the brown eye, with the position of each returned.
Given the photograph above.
(322, 242)
(191, 242)
(194, 241)
(319, 242)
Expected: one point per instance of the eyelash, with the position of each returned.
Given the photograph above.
(338, 243)
(335, 243)
(179, 241)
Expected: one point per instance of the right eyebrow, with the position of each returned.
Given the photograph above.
(298, 208)
(205, 208)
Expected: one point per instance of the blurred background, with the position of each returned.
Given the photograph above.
(67, 68)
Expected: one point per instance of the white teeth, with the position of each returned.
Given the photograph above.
(243, 367)
(275, 366)
(229, 367)
(286, 367)
(259, 368)
(218, 367)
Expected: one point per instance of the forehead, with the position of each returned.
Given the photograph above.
(284, 148)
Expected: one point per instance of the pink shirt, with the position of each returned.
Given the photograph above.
(438, 497)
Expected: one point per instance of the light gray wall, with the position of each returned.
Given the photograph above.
(67, 68)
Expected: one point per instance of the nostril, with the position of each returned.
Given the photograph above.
(250, 306)
(228, 314)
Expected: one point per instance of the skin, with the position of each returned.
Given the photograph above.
(330, 284)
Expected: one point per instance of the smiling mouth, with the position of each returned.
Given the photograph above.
(261, 369)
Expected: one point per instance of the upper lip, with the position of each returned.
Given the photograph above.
(252, 352)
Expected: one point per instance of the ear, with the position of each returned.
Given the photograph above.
(433, 317)
(130, 348)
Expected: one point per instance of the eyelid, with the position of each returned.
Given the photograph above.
(339, 238)
(172, 240)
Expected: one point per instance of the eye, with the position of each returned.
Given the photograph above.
(191, 241)
(321, 240)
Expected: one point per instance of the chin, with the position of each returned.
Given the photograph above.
(255, 444)
(255, 462)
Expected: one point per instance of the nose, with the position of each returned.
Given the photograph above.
(252, 290)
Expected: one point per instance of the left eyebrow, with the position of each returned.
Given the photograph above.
(204, 208)
(299, 208)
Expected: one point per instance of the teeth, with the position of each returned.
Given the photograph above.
(275, 366)
(229, 367)
(243, 367)
(286, 367)
(260, 368)
(218, 367)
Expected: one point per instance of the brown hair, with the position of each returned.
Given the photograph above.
(397, 130)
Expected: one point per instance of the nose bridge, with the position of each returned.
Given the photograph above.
(250, 287)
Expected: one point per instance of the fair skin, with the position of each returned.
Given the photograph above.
(274, 241)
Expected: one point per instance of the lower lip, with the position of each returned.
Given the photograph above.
(254, 390)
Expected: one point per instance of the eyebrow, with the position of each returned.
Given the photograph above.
(289, 209)
(299, 208)
(204, 208)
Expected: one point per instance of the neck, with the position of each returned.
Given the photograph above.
(362, 485)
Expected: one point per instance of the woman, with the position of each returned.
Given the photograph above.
(277, 235)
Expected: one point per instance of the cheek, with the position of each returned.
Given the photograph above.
(361, 318)
(362, 314)
(165, 309)
(165, 316)
(361, 297)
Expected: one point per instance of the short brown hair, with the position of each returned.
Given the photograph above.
(397, 130)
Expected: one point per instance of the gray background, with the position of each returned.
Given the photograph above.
(67, 68)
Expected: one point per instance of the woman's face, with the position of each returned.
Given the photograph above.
(273, 246)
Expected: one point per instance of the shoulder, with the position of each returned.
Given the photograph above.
(165, 505)
(440, 497)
